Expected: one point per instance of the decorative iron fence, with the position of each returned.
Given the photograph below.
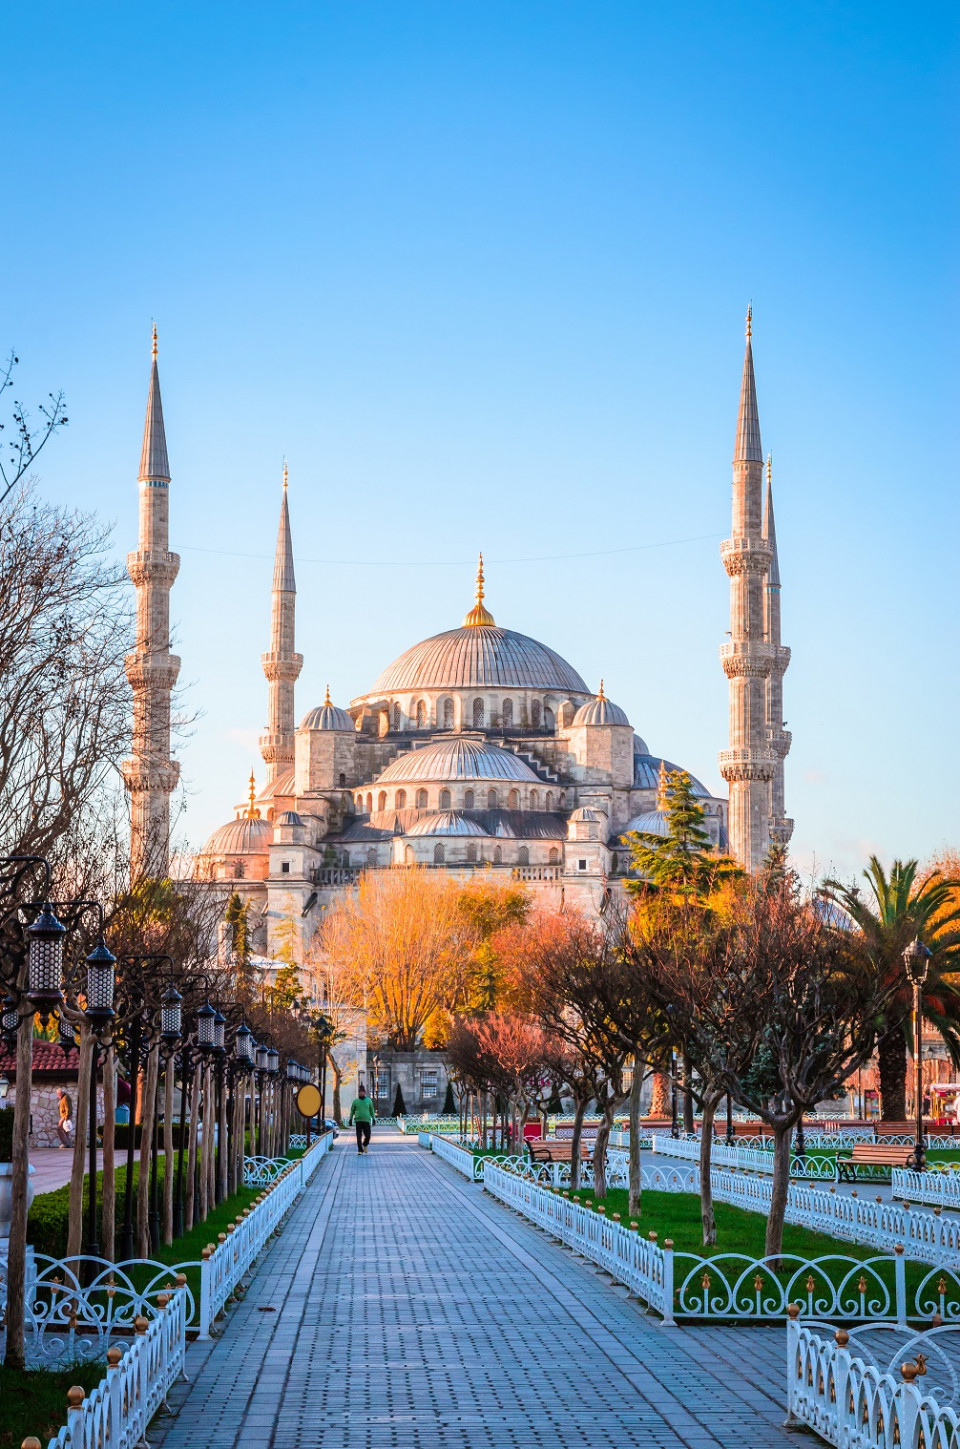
(942, 1189)
(759, 1159)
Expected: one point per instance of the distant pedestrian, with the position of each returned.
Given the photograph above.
(65, 1119)
(363, 1114)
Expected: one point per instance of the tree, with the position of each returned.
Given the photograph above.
(24, 442)
(400, 943)
(895, 910)
(287, 994)
(237, 920)
(399, 1105)
(449, 1102)
(681, 862)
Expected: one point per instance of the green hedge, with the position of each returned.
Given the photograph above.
(121, 1135)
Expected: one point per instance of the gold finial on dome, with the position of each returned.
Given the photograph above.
(326, 698)
(600, 693)
(662, 787)
(479, 617)
(154, 341)
(252, 812)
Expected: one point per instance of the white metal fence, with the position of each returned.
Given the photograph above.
(942, 1189)
(758, 1159)
(856, 1402)
(118, 1411)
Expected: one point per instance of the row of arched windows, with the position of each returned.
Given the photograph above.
(472, 856)
(472, 800)
(540, 715)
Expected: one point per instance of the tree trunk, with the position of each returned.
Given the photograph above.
(223, 1155)
(190, 1195)
(20, 1177)
(206, 1145)
(81, 1121)
(660, 1096)
(337, 1104)
(600, 1151)
(634, 1144)
(109, 1194)
(168, 1158)
(689, 1126)
(706, 1186)
(892, 1070)
(148, 1123)
(575, 1146)
(778, 1195)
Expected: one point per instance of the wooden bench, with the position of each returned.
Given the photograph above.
(871, 1154)
(553, 1149)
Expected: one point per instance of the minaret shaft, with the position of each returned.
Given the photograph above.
(781, 827)
(150, 774)
(281, 663)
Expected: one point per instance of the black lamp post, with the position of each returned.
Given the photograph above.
(674, 1129)
(133, 1051)
(219, 1061)
(101, 977)
(916, 959)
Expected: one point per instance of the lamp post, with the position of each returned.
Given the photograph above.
(171, 1027)
(674, 1129)
(101, 979)
(219, 1062)
(916, 959)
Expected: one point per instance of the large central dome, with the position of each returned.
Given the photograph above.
(479, 657)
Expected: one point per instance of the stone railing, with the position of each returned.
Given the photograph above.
(852, 1398)
(119, 1410)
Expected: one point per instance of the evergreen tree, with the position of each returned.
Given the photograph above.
(287, 992)
(449, 1108)
(399, 1105)
(682, 861)
(241, 948)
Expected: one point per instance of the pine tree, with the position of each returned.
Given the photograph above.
(682, 861)
(241, 949)
(287, 992)
(399, 1105)
(449, 1108)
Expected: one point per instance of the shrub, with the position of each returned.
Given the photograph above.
(121, 1134)
(449, 1108)
(6, 1134)
(399, 1105)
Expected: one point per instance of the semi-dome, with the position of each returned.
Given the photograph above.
(458, 759)
(652, 822)
(446, 822)
(584, 812)
(646, 773)
(245, 836)
(328, 716)
(600, 711)
(288, 817)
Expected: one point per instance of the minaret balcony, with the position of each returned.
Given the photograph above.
(746, 555)
(748, 658)
(736, 765)
(780, 829)
(780, 742)
(279, 665)
(156, 566)
(151, 671)
(143, 776)
(277, 749)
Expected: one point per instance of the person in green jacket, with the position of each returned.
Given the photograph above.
(362, 1113)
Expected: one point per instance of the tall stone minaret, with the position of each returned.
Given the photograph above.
(779, 739)
(747, 765)
(281, 664)
(150, 774)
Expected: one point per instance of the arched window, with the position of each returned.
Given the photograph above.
(554, 855)
(478, 714)
(472, 853)
(534, 715)
(491, 799)
(408, 856)
(343, 778)
(396, 716)
(548, 803)
(534, 800)
(421, 799)
(238, 870)
(421, 714)
(438, 854)
(547, 717)
(468, 799)
(444, 799)
(523, 856)
(448, 714)
(400, 802)
(513, 802)
(359, 802)
(507, 714)
(371, 856)
(369, 804)
(497, 855)
(382, 800)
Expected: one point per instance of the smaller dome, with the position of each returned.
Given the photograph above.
(246, 836)
(447, 822)
(458, 759)
(653, 822)
(328, 716)
(594, 817)
(600, 711)
(288, 817)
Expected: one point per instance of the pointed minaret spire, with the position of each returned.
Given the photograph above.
(748, 764)
(281, 664)
(150, 774)
(662, 786)
(779, 739)
(479, 617)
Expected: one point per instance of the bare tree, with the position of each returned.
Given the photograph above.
(24, 440)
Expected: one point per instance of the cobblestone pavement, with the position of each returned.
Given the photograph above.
(402, 1308)
(52, 1167)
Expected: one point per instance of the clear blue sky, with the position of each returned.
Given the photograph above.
(479, 270)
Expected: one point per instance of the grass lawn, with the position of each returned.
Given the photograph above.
(36, 1402)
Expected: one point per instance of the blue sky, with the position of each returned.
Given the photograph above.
(479, 271)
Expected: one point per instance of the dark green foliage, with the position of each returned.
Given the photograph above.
(36, 1402)
(399, 1105)
(6, 1135)
(554, 1105)
(683, 859)
(449, 1108)
(238, 920)
(121, 1135)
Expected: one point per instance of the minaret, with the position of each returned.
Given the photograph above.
(281, 664)
(150, 774)
(781, 828)
(748, 764)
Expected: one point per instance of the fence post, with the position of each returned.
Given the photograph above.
(668, 1320)
(900, 1277)
(206, 1273)
(75, 1398)
(793, 1335)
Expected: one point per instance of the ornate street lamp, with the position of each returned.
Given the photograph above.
(45, 936)
(171, 1017)
(916, 960)
(206, 1018)
(243, 1046)
(101, 967)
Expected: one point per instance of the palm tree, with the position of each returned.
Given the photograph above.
(888, 917)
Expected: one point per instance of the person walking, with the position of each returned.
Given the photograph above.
(363, 1114)
(64, 1119)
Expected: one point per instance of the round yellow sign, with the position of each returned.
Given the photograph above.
(308, 1100)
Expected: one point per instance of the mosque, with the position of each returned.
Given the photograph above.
(477, 749)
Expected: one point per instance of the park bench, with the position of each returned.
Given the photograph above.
(871, 1154)
(557, 1149)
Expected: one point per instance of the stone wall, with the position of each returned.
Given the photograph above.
(45, 1110)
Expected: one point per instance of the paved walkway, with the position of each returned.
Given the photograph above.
(402, 1308)
(52, 1167)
